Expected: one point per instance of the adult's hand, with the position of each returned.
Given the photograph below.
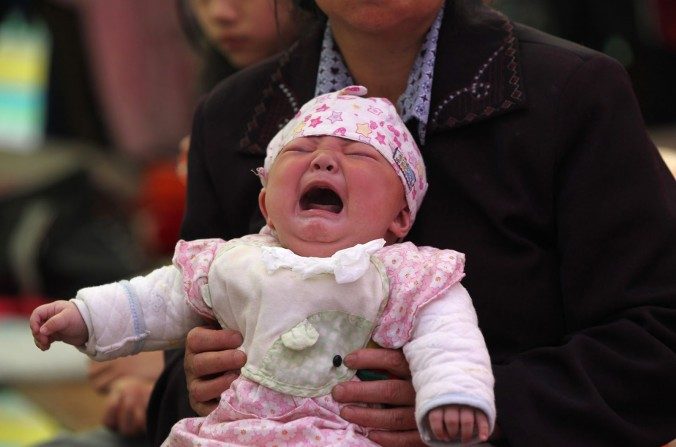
(211, 363)
(394, 424)
(145, 365)
(126, 405)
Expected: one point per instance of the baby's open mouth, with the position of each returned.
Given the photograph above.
(321, 199)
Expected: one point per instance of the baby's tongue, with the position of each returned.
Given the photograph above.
(322, 199)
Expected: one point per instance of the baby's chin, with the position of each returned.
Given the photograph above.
(317, 246)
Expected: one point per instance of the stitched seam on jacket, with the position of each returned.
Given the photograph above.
(137, 315)
(516, 94)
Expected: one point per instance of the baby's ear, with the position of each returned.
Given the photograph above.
(264, 209)
(262, 174)
(401, 224)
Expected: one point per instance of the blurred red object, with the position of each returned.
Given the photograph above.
(160, 207)
(20, 305)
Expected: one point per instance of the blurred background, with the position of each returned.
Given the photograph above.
(95, 98)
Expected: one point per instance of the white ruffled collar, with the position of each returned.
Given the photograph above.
(347, 265)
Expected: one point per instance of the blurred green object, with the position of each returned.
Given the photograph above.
(24, 72)
(22, 423)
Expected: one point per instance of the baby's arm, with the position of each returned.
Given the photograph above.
(458, 422)
(58, 321)
(113, 320)
(449, 364)
(146, 313)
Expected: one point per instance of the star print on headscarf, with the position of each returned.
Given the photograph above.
(322, 108)
(364, 129)
(314, 122)
(299, 127)
(335, 116)
(380, 137)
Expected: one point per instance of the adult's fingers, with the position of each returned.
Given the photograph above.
(410, 438)
(125, 418)
(129, 401)
(204, 408)
(145, 365)
(205, 339)
(97, 369)
(390, 392)
(101, 376)
(130, 421)
(209, 363)
(203, 390)
(390, 360)
(397, 418)
(204, 394)
(111, 410)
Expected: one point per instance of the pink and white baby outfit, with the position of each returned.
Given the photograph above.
(295, 318)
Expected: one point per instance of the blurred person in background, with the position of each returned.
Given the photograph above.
(231, 35)
(228, 38)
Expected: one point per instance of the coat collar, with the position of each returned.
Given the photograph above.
(291, 85)
(487, 83)
(480, 52)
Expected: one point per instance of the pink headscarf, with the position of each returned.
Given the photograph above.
(374, 121)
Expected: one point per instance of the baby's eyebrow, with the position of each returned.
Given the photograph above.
(296, 142)
(315, 141)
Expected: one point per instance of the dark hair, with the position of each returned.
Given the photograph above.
(310, 8)
(215, 67)
(190, 26)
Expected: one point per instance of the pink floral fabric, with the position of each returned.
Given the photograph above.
(417, 276)
(250, 414)
(194, 259)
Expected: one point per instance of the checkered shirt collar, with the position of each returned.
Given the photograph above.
(333, 75)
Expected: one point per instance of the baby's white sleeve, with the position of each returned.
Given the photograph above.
(448, 359)
(145, 313)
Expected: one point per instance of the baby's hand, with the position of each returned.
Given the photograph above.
(458, 423)
(58, 321)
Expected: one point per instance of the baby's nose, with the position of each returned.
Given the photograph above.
(324, 161)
